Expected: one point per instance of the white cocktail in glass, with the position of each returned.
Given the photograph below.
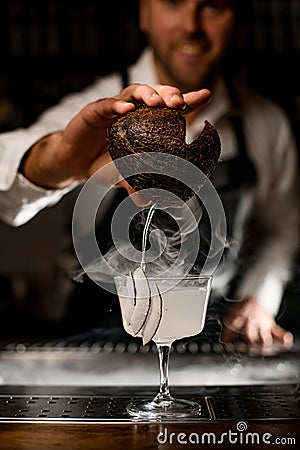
(163, 310)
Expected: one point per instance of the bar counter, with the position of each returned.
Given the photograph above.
(75, 398)
(51, 417)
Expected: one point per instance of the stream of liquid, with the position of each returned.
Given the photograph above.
(183, 307)
(145, 235)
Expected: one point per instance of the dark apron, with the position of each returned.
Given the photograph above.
(233, 179)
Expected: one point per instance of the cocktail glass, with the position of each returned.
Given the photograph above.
(183, 311)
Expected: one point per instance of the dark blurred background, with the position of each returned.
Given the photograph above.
(51, 48)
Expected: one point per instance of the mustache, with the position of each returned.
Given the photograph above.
(198, 38)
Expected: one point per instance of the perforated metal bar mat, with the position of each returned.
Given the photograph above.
(74, 409)
(255, 407)
(109, 404)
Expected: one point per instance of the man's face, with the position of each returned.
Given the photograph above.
(189, 38)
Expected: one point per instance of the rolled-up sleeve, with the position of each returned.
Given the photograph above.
(24, 200)
(21, 200)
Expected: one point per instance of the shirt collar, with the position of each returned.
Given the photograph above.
(143, 71)
(219, 106)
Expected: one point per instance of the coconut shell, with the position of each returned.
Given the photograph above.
(163, 130)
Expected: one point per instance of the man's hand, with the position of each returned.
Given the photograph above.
(248, 322)
(76, 153)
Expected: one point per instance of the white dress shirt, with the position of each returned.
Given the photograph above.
(271, 148)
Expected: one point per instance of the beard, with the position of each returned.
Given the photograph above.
(186, 79)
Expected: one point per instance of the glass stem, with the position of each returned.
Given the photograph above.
(163, 354)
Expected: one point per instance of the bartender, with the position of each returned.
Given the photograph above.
(188, 41)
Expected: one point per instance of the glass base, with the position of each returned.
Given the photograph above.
(172, 408)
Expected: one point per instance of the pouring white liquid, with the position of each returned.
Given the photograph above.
(145, 234)
(180, 306)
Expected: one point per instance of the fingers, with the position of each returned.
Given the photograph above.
(249, 323)
(173, 97)
(142, 93)
(126, 101)
(111, 108)
(136, 94)
(158, 95)
(273, 340)
(283, 337)
(231, 329)
(260, 338)
(251, 335)
(196, 99)
(265, 336)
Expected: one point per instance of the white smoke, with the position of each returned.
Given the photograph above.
(168, 252)
(173, 250)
